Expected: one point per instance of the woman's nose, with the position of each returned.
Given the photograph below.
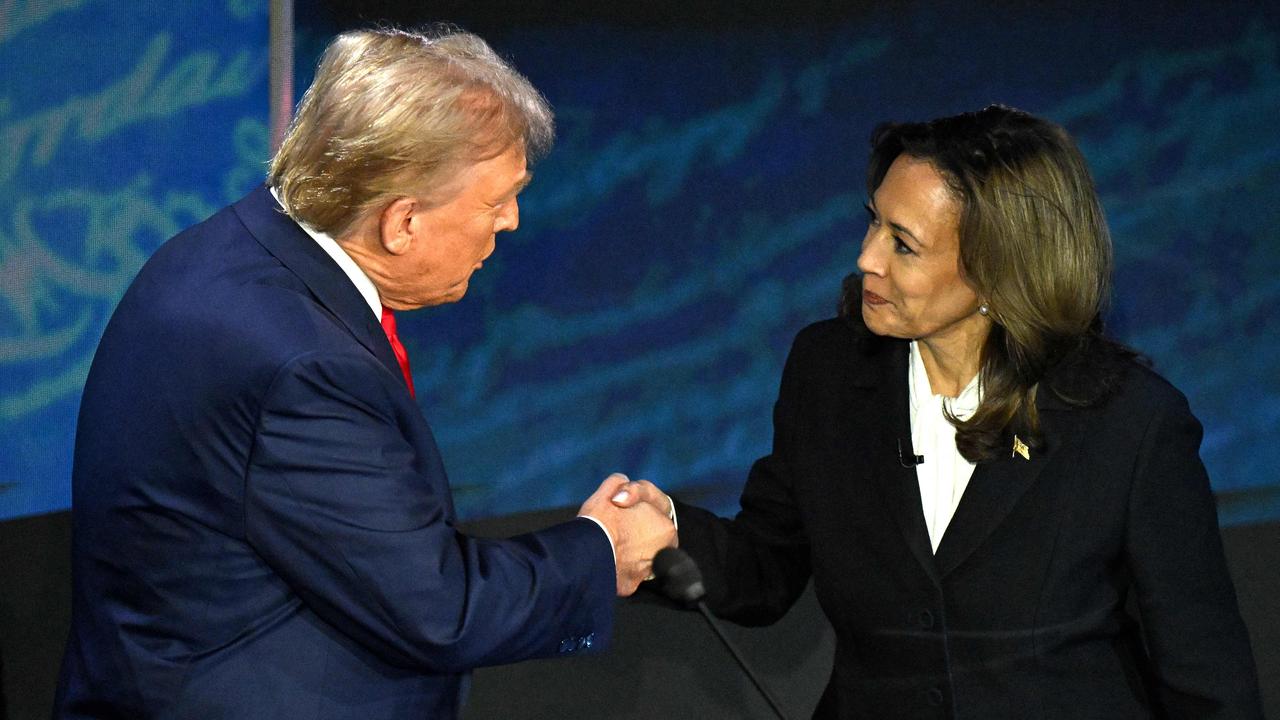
(871, 258)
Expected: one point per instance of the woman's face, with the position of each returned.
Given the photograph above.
(912, 285)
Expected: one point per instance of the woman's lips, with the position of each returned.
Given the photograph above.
(871, 298)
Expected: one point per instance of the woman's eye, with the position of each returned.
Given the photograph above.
(901, 247)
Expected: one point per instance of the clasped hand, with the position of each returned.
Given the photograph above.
(637, 518)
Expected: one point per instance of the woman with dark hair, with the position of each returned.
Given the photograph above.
(976, 478)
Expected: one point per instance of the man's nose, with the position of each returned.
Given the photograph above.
(510, 217)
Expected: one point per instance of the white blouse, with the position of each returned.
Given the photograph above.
(944, 474)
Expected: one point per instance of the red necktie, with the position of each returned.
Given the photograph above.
(402, 357)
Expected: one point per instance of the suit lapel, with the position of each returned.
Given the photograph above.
(896, 484)
(291, 245)
(997, 485)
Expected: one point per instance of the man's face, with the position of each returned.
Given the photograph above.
(449, 241)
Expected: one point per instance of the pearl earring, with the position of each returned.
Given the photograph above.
(983, 309)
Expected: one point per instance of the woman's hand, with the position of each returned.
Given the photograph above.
(643, 491)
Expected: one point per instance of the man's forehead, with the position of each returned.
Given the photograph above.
(507, 171)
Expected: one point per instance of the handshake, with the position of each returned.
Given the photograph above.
(637, 516)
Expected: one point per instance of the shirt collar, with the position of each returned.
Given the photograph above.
(331, 247)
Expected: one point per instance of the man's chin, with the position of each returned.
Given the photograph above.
(452, 295)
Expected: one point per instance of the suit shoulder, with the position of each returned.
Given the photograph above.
(844, 345)
(1127, 391)
(830, 334)
(1100, 372)
(1142, 385)
(194, 240)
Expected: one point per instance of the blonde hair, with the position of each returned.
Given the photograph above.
(395, 113)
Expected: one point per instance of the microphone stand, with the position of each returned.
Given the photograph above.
(773, 704)
(682, 582)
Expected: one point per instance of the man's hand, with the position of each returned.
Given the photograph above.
(643, 491)
(638, 532)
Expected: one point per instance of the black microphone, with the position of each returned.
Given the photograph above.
(908, 461)
(682, 582)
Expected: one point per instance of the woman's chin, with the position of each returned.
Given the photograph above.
(872, 319)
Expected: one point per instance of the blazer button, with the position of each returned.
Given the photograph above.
(934, 696)
(926, 619)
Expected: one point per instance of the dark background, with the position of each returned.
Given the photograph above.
(701, 206)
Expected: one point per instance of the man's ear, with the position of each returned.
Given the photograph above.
(396, 225)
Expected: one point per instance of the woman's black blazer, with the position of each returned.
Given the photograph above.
(1021, 613)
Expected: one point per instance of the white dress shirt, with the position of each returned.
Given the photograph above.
(944, 474)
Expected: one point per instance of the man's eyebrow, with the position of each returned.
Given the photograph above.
(522, 184)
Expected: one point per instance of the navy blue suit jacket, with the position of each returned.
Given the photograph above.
(262, 523)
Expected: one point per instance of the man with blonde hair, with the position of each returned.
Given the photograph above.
(263, 527)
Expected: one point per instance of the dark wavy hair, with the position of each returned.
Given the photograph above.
(1034, 246)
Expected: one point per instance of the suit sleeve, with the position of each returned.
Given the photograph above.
(756, 566)
(1197, 641)
(350, 514)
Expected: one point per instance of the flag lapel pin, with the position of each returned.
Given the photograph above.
(1020, 448)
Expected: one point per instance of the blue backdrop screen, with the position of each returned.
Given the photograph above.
(120, 124)
(702, 205)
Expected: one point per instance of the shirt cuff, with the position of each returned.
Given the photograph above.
(612, 549)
